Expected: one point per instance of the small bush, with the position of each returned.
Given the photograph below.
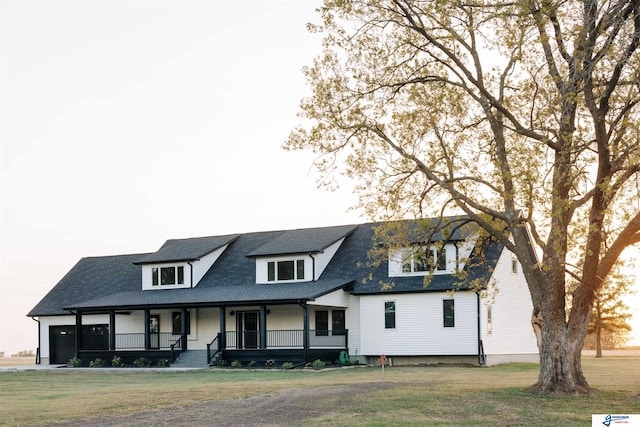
(164, 363)
(141, 362)
(97, 363)
(269, 363)
(116, 362)
(223, 362)
(236, 364)
(252, 364)
(287, 365)
(75, 362)
(318, 364)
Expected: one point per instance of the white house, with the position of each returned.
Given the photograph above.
(296, 296)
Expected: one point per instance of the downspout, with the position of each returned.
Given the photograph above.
(481, 357)
(455, 245)
(38, 349)
(313, 267)
(190, 274)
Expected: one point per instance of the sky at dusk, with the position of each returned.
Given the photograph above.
(127, 123)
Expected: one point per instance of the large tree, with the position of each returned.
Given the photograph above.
(520, 113)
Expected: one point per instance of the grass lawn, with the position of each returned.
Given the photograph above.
(447, 395)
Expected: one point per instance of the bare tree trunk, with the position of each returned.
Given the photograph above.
(560, 362)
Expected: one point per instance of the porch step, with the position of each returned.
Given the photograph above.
(191, 359)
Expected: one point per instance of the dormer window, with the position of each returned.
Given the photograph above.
(285, 270)
(164, 276)
(423, 260)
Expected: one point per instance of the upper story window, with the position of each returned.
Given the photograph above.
(424, 260)
(285, 270)
(163, 276)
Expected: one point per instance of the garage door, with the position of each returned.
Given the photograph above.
(62, 343)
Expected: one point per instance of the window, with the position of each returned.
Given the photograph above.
(322, 323)
(95, 337)
(425, 260)
(448, 313)
(167, 276)
(176, 317)
(389, 314)
(338, 322)
(489, 320)
(514, 264)
(285, 270)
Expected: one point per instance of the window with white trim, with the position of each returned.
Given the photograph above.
(164, 276)
(422, 259)
(286, 270)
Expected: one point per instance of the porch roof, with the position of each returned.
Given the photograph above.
(214, 296)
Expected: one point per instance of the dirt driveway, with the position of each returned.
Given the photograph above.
(287, 407)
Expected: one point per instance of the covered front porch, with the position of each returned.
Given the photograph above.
(264, 334)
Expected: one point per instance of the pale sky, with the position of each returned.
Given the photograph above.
(125, 123)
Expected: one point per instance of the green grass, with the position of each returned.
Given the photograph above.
(446, 395)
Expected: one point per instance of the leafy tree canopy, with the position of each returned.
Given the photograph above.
(522, 113)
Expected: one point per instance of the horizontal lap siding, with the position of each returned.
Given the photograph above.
(419, 325)
(511, 310)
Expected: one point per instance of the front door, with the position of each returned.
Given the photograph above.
(154, 331)
(247, 327)
(62, 344)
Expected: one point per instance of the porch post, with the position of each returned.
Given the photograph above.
(112, 330)
(147, 331)
(263, 326)
(305, 337)
(223, 328)
(78, 333)
(183, 328)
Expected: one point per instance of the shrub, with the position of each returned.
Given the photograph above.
(141, 362)
(269, 363)
(287, 365)
(164, 363)
(97, 363)
(236, 364)
(75, 362)
(116, 362)
(318, 364)
(252, 364)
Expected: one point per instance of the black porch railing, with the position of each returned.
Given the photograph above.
(162, 340)
(286, 339)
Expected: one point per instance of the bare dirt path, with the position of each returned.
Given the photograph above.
(289, 407)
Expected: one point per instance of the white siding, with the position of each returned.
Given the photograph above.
(337, 298)
(203, 265)
(321, 260)
(510, 312)
(45, 322)
(200, 267)
(419, 325)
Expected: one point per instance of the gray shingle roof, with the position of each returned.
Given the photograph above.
(303, 241)
(115, 282)
(193, 249)
(90, 278)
